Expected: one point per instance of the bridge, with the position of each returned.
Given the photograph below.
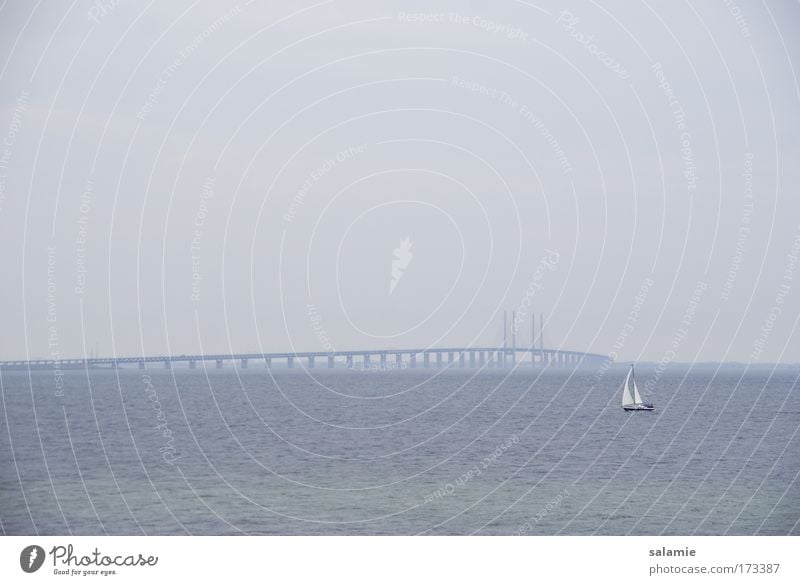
(385, 359)
(503, 356)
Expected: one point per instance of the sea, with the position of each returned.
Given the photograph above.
(416, 451)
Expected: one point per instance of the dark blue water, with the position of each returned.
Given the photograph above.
(345, 452)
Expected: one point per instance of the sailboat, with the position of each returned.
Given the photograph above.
(632, 401)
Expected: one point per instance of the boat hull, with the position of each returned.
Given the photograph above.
(633, 407)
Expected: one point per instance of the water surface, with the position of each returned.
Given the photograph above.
(403, 452)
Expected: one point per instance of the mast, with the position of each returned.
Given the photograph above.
(513, 337)
(505, 330)
(541, 334)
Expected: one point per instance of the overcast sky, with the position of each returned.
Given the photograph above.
(217, 176)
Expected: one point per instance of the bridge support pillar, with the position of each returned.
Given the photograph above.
(472, 359)
(310, 362)
(481, 358)
(461, 359)
(366, 361)
(439, 359)
(330, 361)
(450, 358)
(268, 362)
(243, 363)
(192, 364)
(219, 364)
(413, 360)
(426, 358)
(398, 360)
(383, 361)
(141, 364)
(348, 360)
(290, 361)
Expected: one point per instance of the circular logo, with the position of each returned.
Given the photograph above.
(31, 558)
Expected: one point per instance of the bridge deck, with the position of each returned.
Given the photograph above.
(504, 354)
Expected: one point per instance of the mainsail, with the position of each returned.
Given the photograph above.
(636, 397)
(627, 398)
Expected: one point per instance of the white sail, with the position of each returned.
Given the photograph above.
(627, 399)
(636, 397)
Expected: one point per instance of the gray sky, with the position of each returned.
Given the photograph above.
(191, 176)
